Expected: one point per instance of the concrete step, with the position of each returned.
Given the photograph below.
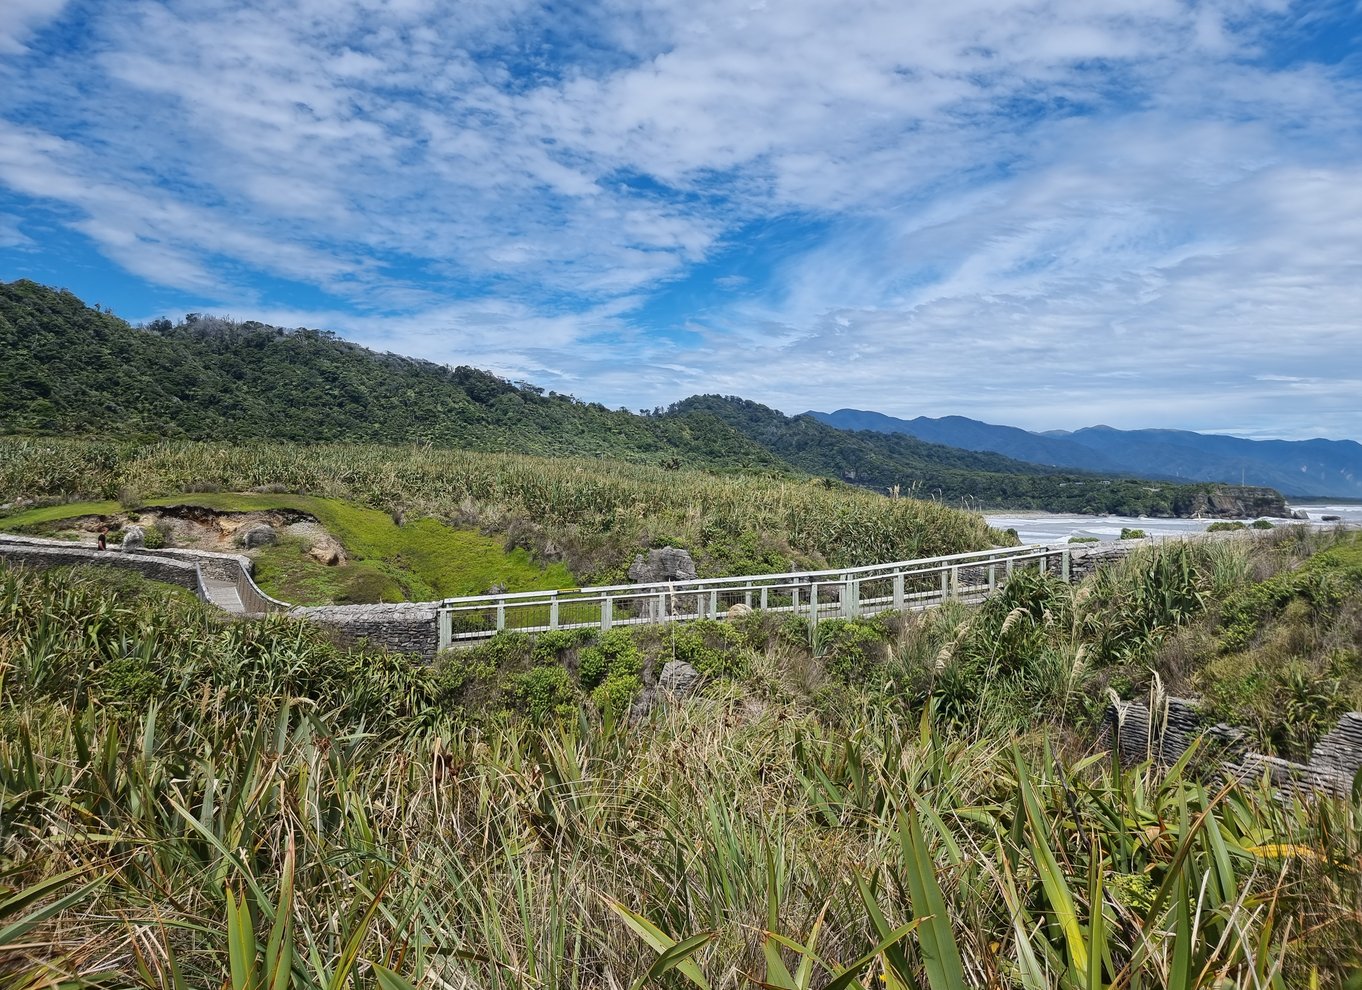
(224, 595)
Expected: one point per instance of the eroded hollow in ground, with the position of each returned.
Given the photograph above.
(194, 527)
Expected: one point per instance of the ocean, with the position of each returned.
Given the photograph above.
(1051, 527)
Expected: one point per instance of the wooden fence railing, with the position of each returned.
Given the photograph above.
(848, 592)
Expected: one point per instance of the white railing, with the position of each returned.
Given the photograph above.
(849, 592)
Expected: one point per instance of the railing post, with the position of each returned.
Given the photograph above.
(662, 615)
(955, 581)
(713, 604)
(1064, 565)
(553, 611)
(763, 597)
(992, 577)
(898, 592)
(794, 600)
(446, 629)
(813, 603)
(501, 614)
(945, 584)
(607, 613)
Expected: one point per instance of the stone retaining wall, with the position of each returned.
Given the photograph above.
(57, 553)
(406, 628)
(1086, 558)
(225, 566)
(1176, 724)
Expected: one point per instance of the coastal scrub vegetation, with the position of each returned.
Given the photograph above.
(591, 516)
(908, 801)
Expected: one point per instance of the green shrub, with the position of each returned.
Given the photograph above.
(552, 646)
(127, 683)
(1132, 534)
(613, 696)
(1262, 524)
(614, 656)
(853, 650)
(712, 647)
(504, 651)
(1084, 539)
(542, 693)
(1225, 527)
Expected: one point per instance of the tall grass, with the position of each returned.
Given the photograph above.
(604, 508)
(255, 823)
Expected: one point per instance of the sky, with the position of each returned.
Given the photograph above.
(1044, 213)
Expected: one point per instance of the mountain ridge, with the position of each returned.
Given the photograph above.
(1315, 467)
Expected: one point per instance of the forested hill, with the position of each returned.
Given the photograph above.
(70, 369)
(73, 370)
(974, 478)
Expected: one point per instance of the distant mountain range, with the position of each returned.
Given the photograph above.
(1300, 468)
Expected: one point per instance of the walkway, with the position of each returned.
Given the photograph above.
(223, 594)
(814, 595)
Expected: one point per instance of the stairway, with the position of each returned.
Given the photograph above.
(224, 595)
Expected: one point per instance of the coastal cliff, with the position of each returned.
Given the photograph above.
(1233, 502)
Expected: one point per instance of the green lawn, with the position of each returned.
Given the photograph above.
(421, 560)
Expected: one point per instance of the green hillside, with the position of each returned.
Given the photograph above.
(74, 370)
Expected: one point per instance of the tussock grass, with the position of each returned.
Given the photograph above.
(594, 515)
(269, 812)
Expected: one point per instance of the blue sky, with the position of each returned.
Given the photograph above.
(1048, 214)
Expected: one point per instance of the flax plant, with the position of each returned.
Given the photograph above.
(269, 813)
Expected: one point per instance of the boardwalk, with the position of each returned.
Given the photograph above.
(816, 595)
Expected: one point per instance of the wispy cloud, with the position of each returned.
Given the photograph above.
(19, 19)
(1048, 213)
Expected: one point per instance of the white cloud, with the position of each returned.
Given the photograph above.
(11, 234)
(21, 18)
(1123, 200)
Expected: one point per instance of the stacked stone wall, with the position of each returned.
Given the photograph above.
(55, 553)
(405, 628)
(1165, 734)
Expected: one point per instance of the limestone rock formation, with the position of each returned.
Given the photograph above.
(134, 538)
(1237, 502)
(328, 552)
(257, 535)
(666, 564)
(678, 678)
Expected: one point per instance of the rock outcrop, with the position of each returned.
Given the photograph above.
(666, 564)
(678, 678)
(257, 535)
(1236, 502)
(1165, 734)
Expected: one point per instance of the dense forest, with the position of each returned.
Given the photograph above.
(75, 370)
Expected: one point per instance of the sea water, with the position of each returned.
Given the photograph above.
(1053, 527)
